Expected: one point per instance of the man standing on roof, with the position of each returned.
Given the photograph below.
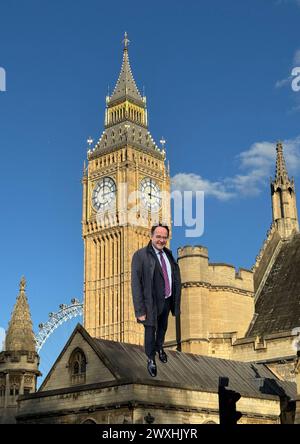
(156, 290)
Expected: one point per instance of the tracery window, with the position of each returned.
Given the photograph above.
(77, 366)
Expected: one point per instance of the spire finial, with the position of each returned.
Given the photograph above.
(162, 141)
(90, 141)
(126, 41)
(22, 283)
(125, 85)
(279, 146)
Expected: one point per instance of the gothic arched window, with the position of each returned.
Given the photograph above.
(77, 366)
(14, 390)
(89, 421)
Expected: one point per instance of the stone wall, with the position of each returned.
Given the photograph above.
(215, 299)
(131, 403)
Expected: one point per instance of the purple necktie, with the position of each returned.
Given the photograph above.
(165, 273)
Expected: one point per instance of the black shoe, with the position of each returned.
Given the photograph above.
(151, 366)
(162, 356)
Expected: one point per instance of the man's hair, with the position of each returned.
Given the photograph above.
(159, 225)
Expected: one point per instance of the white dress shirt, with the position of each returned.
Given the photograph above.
(169, 269)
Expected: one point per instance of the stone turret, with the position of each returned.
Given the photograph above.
(216, 300)
(19, 361)
(284, 221)
(285, 216)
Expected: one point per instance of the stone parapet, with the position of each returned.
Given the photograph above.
(194, 266)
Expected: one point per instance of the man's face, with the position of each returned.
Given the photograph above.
(159, 237)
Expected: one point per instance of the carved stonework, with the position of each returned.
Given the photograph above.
(270, 233)
(15, 357)
(28, 379)
(19, 362)
(15, 380)
(216, 287)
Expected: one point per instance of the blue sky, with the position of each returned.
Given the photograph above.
(217, 77)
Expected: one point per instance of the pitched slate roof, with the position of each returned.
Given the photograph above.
(115, 137)
(194, 372)
(127, 364)
(278, 306)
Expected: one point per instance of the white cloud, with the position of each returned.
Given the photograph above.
(283, 82)
(258, 164)
(193, 182)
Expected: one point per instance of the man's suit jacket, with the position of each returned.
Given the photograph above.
(147, 299)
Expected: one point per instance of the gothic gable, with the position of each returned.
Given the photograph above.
(78, 364)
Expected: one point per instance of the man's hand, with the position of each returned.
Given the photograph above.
(142, 318)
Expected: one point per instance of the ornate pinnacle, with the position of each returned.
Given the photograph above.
(90, 141)
(22, 283)
(281, 170)
(162, 141)
(126, 41)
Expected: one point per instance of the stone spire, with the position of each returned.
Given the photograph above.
(126, 87)
(281, 171)
(285, 216)
(19, 334)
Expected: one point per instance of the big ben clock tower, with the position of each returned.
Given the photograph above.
(126, 188)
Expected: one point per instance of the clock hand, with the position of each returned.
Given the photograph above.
(154, 195)
(105, 194)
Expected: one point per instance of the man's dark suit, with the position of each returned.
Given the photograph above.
(148, 292)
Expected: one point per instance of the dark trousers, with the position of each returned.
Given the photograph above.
(154, 338)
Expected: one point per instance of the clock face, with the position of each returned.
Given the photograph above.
(151, 196)
(104, 194)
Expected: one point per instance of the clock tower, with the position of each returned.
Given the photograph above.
(126, 189)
